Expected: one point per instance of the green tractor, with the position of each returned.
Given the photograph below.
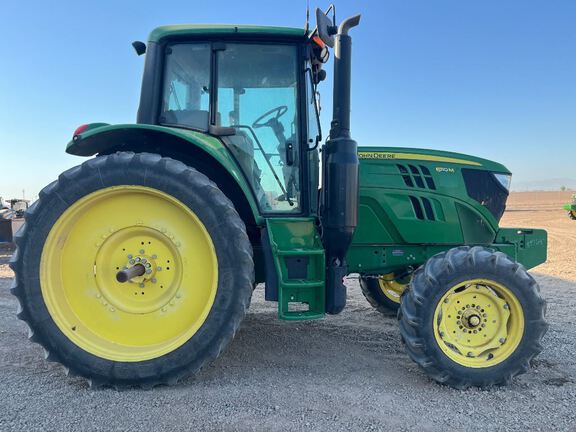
(137, 266)
(571, 208)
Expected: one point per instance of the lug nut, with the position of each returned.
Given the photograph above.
(154, 256)
(137, 259)
(141, 251)
(141, 285)
(144, 260)
(129, 256)
(132, 261)
(153, 280)
(148, 271)
(502, 340)
(159, 268)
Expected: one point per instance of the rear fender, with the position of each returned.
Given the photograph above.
(99, 138)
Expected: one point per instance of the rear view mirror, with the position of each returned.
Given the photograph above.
(326, 30)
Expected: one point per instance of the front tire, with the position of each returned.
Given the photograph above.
(119, 211)
(472, 317)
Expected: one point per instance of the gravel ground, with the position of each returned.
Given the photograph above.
(347, 372)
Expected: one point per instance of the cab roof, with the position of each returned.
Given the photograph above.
(183, 30)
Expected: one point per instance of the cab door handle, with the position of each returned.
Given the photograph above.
(289, 154)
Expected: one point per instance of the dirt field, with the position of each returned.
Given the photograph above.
(347, 372)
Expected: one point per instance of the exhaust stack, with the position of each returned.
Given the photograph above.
(339, 211)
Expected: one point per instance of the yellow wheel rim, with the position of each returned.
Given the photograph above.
(147, 316)
(391, 288)
(478, 323)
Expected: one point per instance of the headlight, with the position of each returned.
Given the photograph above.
(504, 180)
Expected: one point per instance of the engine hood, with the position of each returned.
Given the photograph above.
(443, 158)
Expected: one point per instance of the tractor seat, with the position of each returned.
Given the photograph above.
(242, 147)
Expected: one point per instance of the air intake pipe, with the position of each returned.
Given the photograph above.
(339, 211)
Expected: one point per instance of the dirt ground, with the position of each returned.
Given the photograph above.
(347, 372)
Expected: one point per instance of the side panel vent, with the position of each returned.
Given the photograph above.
(422, 208)
(428, 209)
(428, 177)
(405, 175)
(417, 207)
(417, 176)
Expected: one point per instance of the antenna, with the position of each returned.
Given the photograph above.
(307, 25)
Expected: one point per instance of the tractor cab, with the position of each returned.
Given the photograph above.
(253, 89)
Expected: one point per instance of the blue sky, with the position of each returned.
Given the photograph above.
(494, 78)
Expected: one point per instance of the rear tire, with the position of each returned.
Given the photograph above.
(187, 320)
(472, 317)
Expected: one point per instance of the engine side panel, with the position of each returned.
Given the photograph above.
(411, 196)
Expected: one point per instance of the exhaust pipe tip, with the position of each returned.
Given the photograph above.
(348, 23)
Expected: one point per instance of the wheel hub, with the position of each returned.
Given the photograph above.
(473, 323)
(391, 287)
(139, 248)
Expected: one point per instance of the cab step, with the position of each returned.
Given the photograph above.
(300, 264)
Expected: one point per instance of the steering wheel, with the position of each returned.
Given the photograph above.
(280, 111)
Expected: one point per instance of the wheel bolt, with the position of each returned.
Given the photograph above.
(153, 280)
(159, 268)
(137, 259)
(132, 261)
(141, 251)
(148, 271)
(129, 256)
(154, 256)
(148, 265)
(470, 354)
(141, 285)
(506, 306)
(441, 334)
(502, 340)
(144, 260)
